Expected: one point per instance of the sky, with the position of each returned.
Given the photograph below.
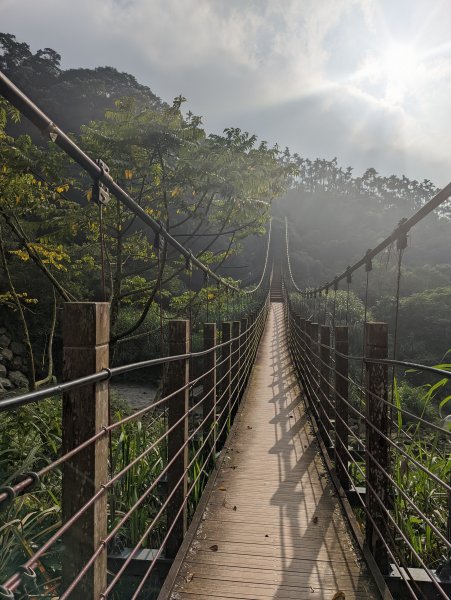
(366, 81)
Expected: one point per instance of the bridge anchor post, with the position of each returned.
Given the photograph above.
(178, 405)
(86, 336)
(209, 389)
(235, 373)
(313, 373)
(226, 367)
(341, 410)
(325, 408)
(243, 356)
(377, 497)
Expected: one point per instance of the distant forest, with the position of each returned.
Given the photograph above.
(334, 217)
(214, 191)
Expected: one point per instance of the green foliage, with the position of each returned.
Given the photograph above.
(416, 401)
(424, 330)
(213, 190)
(128, 443)
(335, 216)
(30, 438)
(429, 448)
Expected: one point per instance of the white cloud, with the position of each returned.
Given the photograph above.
(293, 71)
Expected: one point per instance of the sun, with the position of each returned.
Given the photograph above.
(400, 61)
(400, 66)
(392, 72)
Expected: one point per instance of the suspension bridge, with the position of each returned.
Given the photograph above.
(300, 440)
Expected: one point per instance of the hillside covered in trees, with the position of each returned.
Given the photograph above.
(334, 217)
(212, 191)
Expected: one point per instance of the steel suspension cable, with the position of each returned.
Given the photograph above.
(265, 266)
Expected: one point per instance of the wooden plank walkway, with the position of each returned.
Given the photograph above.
(273, 527)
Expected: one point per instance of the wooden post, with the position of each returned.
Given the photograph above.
(448, 522)
(312, 366)
(178, 405)
(303, 345)
(226, 360)
(255, 338)
(209, 389)
(243, 356)
(296, 343)
(376, 346)
(325, 410)
(308, 365)
(308, 348)
(314, 354)
(250, 343)
(341, 408)
(86, 336)
(235, 358)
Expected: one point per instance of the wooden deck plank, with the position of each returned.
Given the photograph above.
(326, 581)
(273, 527)
(265, 592)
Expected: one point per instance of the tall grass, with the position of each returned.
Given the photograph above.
(431, 449)
(30, 438)
(129, 442)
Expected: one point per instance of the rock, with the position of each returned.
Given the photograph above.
(17, 363)
(18, 348)
(7, 354)
(6, 383)
(3, 330)
(3, 371)
(18, 379)
(4, 340)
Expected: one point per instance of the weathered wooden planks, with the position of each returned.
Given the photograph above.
(273, 527)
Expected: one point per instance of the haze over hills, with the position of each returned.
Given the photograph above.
(333, 215)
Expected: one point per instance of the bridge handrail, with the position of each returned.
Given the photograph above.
(317, 363)
(237, 356)
(106, 374)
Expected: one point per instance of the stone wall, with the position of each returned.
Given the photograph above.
(13, 362)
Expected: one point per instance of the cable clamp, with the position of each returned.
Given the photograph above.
(189, 261)
(51, 131)
(368, 261)
(109, 373)
(5, 593)
(401, 235)
(158, 240)
(28, 578)
(348, 275)
(100, 193)
(35, 481)
(10, 493)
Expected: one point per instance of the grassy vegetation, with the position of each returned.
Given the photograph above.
(432, 450)
(30, 438)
